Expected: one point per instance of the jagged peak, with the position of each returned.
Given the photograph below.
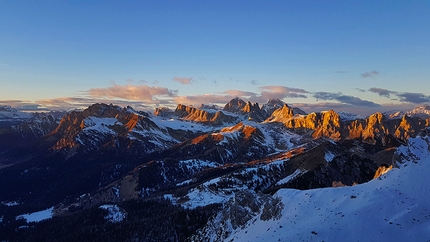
(249, 107)
(378, 116)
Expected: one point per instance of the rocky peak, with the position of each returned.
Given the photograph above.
(199, 115)
(235, 105)
(281, 114)
(101, 110)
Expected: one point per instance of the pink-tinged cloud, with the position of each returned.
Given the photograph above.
(239, 93)
(203, 99)
(131, 92)
(183, 80)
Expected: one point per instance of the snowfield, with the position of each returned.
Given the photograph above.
(37, 216)
(394, 207)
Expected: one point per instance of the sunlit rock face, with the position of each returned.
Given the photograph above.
(377, 128)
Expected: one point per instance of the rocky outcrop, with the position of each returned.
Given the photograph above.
(200, 115)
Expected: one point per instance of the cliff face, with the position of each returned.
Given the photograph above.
(376, 128)
(200, 115)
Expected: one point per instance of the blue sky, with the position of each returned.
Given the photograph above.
(357, 56)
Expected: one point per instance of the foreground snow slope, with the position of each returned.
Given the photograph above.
(394, 207)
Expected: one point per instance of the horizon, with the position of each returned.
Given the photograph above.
(201, 106)
(358, 57)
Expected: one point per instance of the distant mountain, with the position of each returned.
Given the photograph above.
(188, 160)
(8, 113)
(420, 111)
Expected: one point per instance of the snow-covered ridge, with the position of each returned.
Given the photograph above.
(420, 111)
(394, 207)
(346, 116)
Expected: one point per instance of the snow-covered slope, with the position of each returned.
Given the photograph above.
(420, 111)
(394, 207)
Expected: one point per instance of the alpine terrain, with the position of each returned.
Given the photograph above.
(242, 172)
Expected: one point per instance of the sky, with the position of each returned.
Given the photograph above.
(352, 56)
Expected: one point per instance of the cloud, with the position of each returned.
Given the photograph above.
(23, 105)
(254, 82)
(344, 99)
(203, 99)
(370, 74)
(407, 97)
(239, 93)
(141, 92)
(281, 92)
(382, 92)
(183, 80)
(413, 97)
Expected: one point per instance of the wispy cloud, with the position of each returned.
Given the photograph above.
(382, 92)
(141, 92)
(346, 99)
(254, 82)
(239, 93)
(281, 92)
(183, 80)
(370, 74)
(24, 105)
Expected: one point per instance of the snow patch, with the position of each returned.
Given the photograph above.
(329, 156)
(292, 176)
(115, 213)
(37, 216)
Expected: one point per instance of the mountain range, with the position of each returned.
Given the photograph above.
(209, 173)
